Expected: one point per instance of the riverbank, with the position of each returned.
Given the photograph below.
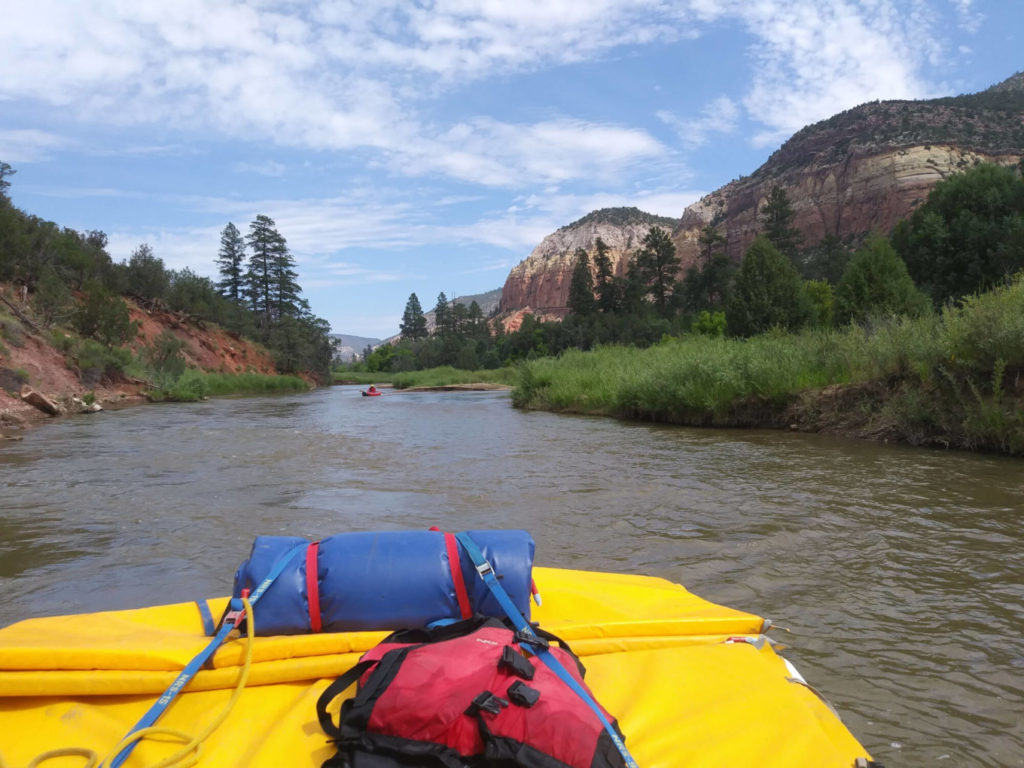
(953, 379)
(64, 374)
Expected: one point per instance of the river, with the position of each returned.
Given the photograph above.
(898, 572)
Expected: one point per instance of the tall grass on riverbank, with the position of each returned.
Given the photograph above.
(445, 374)
(195, 385)
(953, 378)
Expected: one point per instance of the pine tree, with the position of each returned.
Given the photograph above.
(229, 261)
(581, 288)
(442, 316)
(5, 171)
(266, 244)
(657, 266)
(777, 224)
(606, 286)
(711, 242)
(414, 323)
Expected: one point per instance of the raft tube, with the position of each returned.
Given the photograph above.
(691, 683)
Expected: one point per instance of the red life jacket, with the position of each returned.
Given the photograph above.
(464, 695)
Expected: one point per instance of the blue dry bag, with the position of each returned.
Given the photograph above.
(387, 580)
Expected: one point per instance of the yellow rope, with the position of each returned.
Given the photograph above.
(188, 755)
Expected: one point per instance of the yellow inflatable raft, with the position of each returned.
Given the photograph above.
(691, 683)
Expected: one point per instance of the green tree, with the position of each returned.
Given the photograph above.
(442, 316)
(825, 261)
(823, 301)
(147, 277)
(52, 299)
(414, 322)
(709, 286)
(768, 293)
(581, 287)
(5, 172)
(711, 242)
(103, 316)
(230, 260)
(969, 234)
(656, 267)
(776, 220)
(607, 287)
(876, 282)
(266, 244)
(476, 322)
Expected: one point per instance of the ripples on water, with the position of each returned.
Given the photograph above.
(898, 572)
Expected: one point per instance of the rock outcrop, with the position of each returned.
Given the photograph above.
(848, 199)
(540, 283)
(866, 168)
(861, 170)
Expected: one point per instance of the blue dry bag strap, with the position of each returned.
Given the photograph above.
(234, 616)
(539, 648)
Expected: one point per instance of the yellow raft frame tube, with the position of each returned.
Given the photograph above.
(690, 682)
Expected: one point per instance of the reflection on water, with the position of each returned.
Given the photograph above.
(898, 572)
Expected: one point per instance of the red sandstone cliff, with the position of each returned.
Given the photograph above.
(861, 170)
(540, 282)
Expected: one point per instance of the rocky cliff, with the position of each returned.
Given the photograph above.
(861, 170)
(540, 283)
(865, 169)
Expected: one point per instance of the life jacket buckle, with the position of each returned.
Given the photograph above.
(487, 702)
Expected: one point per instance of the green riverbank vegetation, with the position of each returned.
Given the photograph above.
(74, 295)
(195, 385)
(953, 378)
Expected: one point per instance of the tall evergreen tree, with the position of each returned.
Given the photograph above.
(477, 323)
(442, 315)
(711, 241)
(267, 245)
(657, 266)
(777, 224)
(230, 259)
(287, 301)
(768, 293)
(5, 171)
(581, 287)
(606, 286)
(414, 322)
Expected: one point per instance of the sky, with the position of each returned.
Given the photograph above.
(424, 147)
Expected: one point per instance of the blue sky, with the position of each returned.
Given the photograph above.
(429, 146)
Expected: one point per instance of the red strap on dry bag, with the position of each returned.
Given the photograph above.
(461, 593)
(313, 586)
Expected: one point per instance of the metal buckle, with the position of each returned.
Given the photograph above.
(484, 569)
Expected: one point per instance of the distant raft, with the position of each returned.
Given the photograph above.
(690, 682)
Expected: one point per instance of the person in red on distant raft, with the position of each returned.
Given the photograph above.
(372, 388)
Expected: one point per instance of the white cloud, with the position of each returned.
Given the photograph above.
(29, 145)
(814, 58)
(719, 116)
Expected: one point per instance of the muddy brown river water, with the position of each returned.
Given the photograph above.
(898, 572)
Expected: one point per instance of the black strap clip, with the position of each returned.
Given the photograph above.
(516, 663)
(487, 702)
(521, 694)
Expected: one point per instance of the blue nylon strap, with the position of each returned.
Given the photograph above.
(540, 650)
(196, 664)
(209, 627)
